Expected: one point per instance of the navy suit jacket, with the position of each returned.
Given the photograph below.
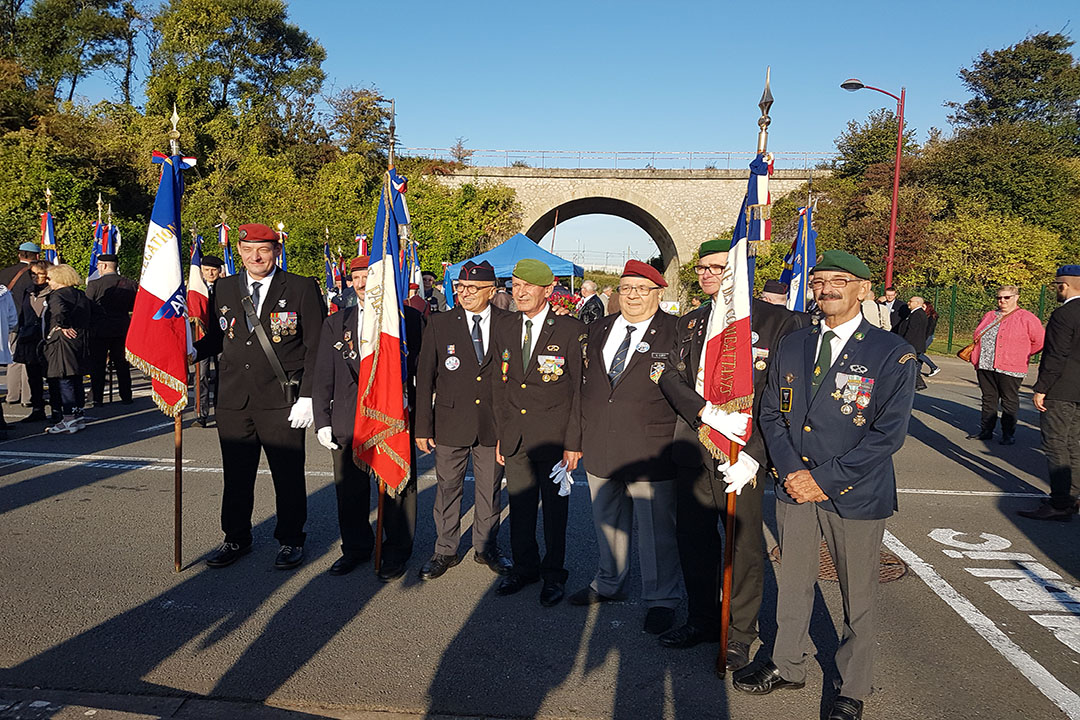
(851, 463)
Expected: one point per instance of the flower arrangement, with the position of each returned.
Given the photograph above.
(565, 301)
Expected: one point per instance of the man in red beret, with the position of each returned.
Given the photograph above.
(627, 428)
(265, 325)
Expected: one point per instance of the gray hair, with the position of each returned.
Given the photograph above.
(588, 285)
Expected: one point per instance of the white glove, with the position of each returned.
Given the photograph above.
(301, 415)
(325, 437)
(730, 425)
(561, 477)
(741, 473)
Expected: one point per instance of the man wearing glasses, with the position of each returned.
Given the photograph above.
(834, 412)
(455, 419)
(1057, 397)
(627, 429)
(703, 487)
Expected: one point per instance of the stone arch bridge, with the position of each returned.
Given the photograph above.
(679, 209)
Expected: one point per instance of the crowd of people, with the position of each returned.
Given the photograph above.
(522, 390)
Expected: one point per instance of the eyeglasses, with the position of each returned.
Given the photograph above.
(632, 290)
(837, 282)
(710, 269)
(464, 289)
(1005, 297)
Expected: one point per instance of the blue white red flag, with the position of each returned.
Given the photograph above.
(198, 293)
(361, 245)
(48, 239)
(282, 261)
(331, 266)
(799, 262)
(159, 336)
(381, 439)
(226, 249)
(448, 284)
(727, 379)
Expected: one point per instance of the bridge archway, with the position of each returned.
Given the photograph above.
(633, 212)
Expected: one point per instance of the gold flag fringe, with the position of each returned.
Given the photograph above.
(156, 374)
(735, 405)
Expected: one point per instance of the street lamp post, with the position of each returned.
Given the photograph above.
(851, 85)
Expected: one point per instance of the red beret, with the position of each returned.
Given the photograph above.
(636, 268)
(359, 263)
(414, 286)
(257, 232)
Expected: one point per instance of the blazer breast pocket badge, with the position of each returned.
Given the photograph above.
(655, 371)
(785, 399)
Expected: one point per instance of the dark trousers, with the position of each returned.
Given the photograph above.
(1061, 444)
(102, 350)
(35, 377)
(450, 465)
(242, 434)
(207, 383)
(998, 388)
(528, 484)
(72, 393)
(352, 485)
(700, 504)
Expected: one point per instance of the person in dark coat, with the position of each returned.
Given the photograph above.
(255, 410)
(19, 280)
(67, 345)
(28, 349)
(335, 392)
(455, 419)
(1057, 398)
(113, 296)
(208, 366)
(835, 409)
(592, 307)
(626, 434)
(537, 398)
(915, 328)
(703, 488)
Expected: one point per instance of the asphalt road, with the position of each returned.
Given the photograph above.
(93, 620)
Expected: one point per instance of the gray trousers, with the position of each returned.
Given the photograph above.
(615, 506)
(855, 549)
(450, 464)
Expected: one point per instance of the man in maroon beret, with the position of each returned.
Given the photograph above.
(627, 428)
(265, 325)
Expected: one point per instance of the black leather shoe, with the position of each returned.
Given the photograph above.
(761, 678)
(390, 570)
(200, 421)
(35, 416)
(437, 565)
(845, 708)
(738, 655)
(499, 563)
(658, 620)
(289, 557)
(588, 596)
(1008, 440)
(227, 554)
(552, 593)
(129, 401)
(1046, 511)
(688, 636)
(346, 564)
(514, 583)
(981, 436)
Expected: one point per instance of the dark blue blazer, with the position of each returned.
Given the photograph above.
(851, 463)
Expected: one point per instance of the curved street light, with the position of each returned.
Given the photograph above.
(851, 85)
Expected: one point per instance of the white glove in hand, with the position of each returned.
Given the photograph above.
(730, 425)
(561, 477)
(741, 473)
(301, 415)
(325, 437)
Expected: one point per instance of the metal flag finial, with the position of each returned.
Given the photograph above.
(48, 199)
(100, 204)
(393, 128)
(763, 122)
(174, 134)
(108, 214)
(326, 233)
(222, 217)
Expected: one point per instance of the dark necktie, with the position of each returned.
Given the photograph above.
(255, 287)
(618, 363)
(526, 347)
(477, 339)
(824, 359)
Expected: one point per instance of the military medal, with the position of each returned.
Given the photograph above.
(550, 366)
(553, 348)
(655, 371)
(281, 303)
(224, 323)
(452, 363)
(789, 378)
(690, 325)
(505, 364)
(846, 409)
(760, 365)
(451, 349)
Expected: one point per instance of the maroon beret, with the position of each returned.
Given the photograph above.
(358, 263)
(257, 232)
(636, 268)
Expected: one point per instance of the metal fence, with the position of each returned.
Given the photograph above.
(961, 308)
(624, 160)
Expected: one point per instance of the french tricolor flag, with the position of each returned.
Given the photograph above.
(198, 294)
(48, 239)
(158, 339)
(381, 432)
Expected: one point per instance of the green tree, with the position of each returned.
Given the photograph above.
(874, 141)
(991, 250)
(361, 122)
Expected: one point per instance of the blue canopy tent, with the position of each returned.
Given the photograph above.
(505, 256)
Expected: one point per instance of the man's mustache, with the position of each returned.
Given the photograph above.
(830, 296)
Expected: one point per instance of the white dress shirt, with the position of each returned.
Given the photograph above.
(485, 324)
(537, 324)
(843, 331)
(618, 334)
(264, 286)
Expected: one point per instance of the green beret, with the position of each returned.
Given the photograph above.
(716, 245)
(841, 261)
(534, 272)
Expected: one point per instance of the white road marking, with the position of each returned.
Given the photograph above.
(170, 423)
(1040, 677)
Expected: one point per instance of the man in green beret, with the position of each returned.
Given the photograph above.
(537, 401)
(835, 410)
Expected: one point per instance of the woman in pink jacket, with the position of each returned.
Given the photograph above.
(1004, 342)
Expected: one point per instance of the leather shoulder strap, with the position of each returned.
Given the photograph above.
(264, 342)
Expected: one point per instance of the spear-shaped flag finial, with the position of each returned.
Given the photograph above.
(48, 199)
(174, 134)
(763, 122)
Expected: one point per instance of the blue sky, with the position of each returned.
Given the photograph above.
(653, 76)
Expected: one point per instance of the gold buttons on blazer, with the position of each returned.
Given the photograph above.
(478, 378)
(477, 401)
(805, 459)
(806, 428)
(522, 386)
(522, 411)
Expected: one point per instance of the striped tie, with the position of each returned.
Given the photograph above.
(618, 363)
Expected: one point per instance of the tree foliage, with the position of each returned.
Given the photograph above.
(873, 141)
